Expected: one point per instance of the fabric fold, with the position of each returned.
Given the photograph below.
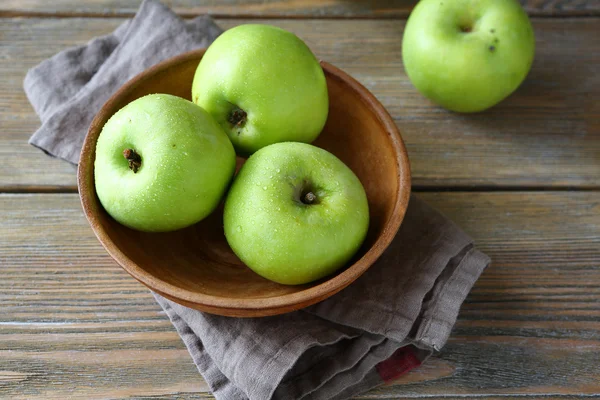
(68, 89)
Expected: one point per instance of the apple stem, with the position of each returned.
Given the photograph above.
(134, 159)
(309, 198)
(237, 117)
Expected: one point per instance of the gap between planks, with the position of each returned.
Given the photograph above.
(17, 189)
(400, 16)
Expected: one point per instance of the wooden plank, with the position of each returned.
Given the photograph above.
(74, 324)
(546, 134)
(274, 8)
(22, 166)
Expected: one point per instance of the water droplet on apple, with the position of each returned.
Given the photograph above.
(278, 170)
(239, 228)
(264, 188)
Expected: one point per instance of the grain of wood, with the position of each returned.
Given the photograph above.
(74, 324)
(546, 134)
(274, 8)
(492, 365)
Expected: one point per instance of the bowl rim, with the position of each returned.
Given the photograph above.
(239, 306)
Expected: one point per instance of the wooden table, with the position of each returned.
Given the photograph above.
(522, 178)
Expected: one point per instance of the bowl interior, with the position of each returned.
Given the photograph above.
(195, 266)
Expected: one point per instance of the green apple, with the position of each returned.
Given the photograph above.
(467, 55)
(295, 213)
(162, 163)
(263, 85)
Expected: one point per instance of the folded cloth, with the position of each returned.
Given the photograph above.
(384, 324)
(68, 89)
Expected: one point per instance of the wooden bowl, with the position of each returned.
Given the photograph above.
(195, 266)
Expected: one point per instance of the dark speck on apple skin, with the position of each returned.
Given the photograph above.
(492, 30)
(492, 48)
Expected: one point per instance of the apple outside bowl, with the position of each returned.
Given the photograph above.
(195, 266)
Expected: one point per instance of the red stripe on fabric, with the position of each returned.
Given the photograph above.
(403, 360)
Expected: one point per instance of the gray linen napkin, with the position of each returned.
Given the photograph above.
(384, 324)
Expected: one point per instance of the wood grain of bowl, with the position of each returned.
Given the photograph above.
(195, 266)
